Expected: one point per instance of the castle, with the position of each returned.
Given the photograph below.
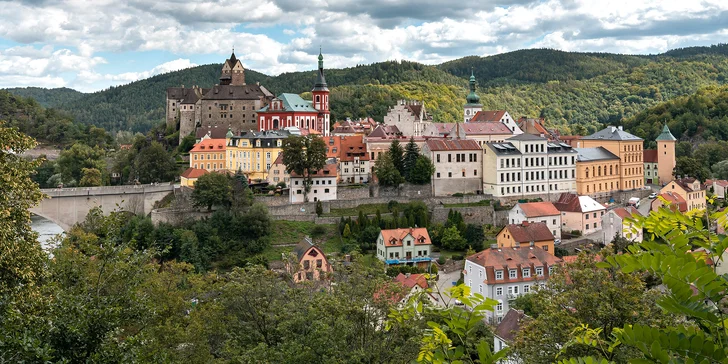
(232, 104)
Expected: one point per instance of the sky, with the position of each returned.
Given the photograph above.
(89, 45)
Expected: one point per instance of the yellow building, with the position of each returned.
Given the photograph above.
(208, 154)
(527, 234)
(254, 152)
(597, 171)
(628, 149)
(690, 189)
(666, 160)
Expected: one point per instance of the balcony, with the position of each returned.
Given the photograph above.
(405, 260)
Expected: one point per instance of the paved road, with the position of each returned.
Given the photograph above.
(444, 282)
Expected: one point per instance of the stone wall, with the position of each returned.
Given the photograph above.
(177, 216)
(480, 215)
(346, 193)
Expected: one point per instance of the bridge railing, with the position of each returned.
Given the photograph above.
(109, 190)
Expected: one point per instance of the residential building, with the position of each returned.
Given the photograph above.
(349, 127)
(209, 154)
(254, 152)
(581, 213)
(458, 166)
(615, 222)
(690, 189)
(311, 264)
(505, 333)
(485, 132)
(410, 118)
(716, 187)
(277, 172)
(288, 110)
(625, 146)
(472, 105)
(675, 202)
(538, 127)
(413, 284)
(597, 172)
(544, 212)
(499, 116)
(211, 132)
(505, 273)
(190, 176)
(354, 161)
(528, 165)
(526, 234)
(651, 167)
(323, 185)
(409, 246)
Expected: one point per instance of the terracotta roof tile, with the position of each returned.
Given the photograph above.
(649, 155)
(535, 209)
(352, 147)
(193, 172)
(514, 258)
(329, 170)
(672, 198)
(412, 281)
(209, 145)
(394, 237)
(530, 231)
(458, 144)
(488, 115)
(626, 212)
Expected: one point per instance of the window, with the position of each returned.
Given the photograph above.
(306, 264)
(499, 274)
(499, 307)
(512, 274)
(480, 288)
(499, 291)
(539, 271)
(526, 288)
(318, 263)
(526, 272)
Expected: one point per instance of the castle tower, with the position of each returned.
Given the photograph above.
(473, 101)
(666, 155)
(320, 95)
(233, 72)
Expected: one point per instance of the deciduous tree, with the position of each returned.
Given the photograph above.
(387, 173)
(304, 155)
(212, 189)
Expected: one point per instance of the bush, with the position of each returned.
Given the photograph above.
(404, 269)
(319, 208)
(441, 260)
(434, 269)
(458, 257)
(391, 205)
(459, 194)
(576, 232)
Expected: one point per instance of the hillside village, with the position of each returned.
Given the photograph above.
(584, 189)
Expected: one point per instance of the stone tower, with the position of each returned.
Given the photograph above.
(320, 95)
(666, 155)
(233, 72)
(472, 105)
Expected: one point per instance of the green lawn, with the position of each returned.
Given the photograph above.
(368, 209)
(469, 204)
(293, 232)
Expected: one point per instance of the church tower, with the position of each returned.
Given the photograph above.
(666, 155)
(473, 101)
(320, 95)
(233, 72)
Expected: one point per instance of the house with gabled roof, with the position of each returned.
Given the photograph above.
(310, 263)
(408, 246)
(617, 222)
(580, 213)
(506, 331)
(690, 189)
(526, 234)
(671, 199)
(544, 212)
(500, 116)
(716, 186)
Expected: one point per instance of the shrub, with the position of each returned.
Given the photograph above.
(434, 269)
(319, 208)
(458, 257)
(459, 194)
(391, 205)
(441, 260)
(576, 232)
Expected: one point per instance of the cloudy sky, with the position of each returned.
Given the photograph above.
(89, 45)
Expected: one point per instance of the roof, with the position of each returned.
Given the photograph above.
(209, 145)
(527, 137)
(351, 147)
(412, 280)
(414, 108)
(267, 138)
(533, 126)
(626, 212)
(279, 159)
(291, 103)
(394, 237)
(488, 115)
(687, 184)
(513, 258)
(535, 209)
(530, 231)
(457, 144)
(230, 92)
(303, 247)
(486, 128)
(215, 132)
(384, 131)
(612, 133)
(672, 199)
(594, 154)
(510, 325)
(666, 135)
(649, 155)
(571, 202)
(329, 170)
(193, 173)
(502, 148)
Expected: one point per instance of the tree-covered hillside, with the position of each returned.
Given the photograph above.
(564, 87)
(48, 97)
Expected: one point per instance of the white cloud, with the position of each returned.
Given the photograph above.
(350, 32)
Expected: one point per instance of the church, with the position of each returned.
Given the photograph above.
(232, 104)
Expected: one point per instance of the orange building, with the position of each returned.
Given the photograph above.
(190, 176)
(209, 154)
(526, 234)
(627, 147)
(690, 189)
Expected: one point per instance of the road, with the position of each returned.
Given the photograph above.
(444, 282)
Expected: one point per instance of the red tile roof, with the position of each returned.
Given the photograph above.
(412, 281)
(193, 172)
(649, 155)
(385, 131)
(457, 144)
(626, 212)
(279, 159)
(209, 145)
(485, 128)
(394, 237)
(530, 231)
(333, 144)
(329, 170)
(672, 198)
(490, 115)
(511, 324)
(351, 147)
(535, 209)
(514, 258)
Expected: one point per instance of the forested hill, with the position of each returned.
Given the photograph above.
(48, 96)
(567, 88)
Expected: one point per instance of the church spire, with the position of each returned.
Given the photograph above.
(320, 84)
(472, 98)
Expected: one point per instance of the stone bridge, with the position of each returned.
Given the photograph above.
(68, 206)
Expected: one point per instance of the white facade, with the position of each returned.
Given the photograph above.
(510, 123)
(356, 171)
(613, 224)
(322, 189)
(410, 117)
(457, 170)
(528, 165)
(469, 110)
(516, 216)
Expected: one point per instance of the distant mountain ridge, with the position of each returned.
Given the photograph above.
(567, 88)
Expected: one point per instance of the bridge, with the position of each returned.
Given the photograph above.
(68, 206)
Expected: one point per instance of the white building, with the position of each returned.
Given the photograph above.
(614, 222)
(411, 118)
(544, 212)
(408, 246)
(500, 116)
(581, 213)
(323, 187)
(506, 332)
(528, 165)
(458, 166)
(354, 160)
(504, 274)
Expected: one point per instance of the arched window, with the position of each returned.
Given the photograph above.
(610, 170)
(318, 98)
(599, 170)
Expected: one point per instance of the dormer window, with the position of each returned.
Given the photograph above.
(499, 275)
(512, 273)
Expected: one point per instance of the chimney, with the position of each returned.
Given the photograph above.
(407, 275)
(620, 127)
(613, 129)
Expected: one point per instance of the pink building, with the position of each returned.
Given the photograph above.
(312, 263)
(580, 213)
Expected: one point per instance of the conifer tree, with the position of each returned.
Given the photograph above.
(411, 152)
(397, 154)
